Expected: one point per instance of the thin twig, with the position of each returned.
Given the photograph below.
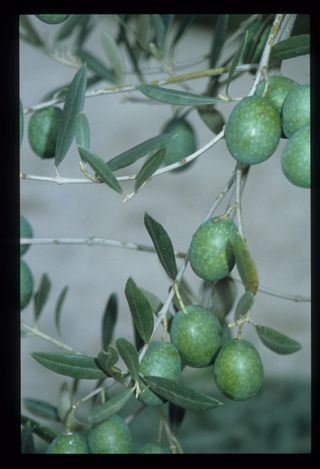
(220, 197)
(35, 331)
(135, 414)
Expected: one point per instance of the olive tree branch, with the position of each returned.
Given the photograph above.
(35, 331)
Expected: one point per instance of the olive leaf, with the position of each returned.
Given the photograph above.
(58, 308)
(160, 30)
(82, 131)
(244, 304)
(43, 432)
(129, 355)
(69, 364)
(236, 60)
(176, 416)
(162, 244)
(107, 360)
(180, 98)
(114, 55)
(181, 395)
(155, 302)
(276, 341)
(291, 47)
(101, 168)
(140, 309)
(109, 320)
(218, 39)
(149, 167)
(41, 296)
(41, 409)
(213, 118)
(27, 443)
(74, 103)
(245, 264)
(185, 22)
(64, 401)
(111, 407)
(97, 67)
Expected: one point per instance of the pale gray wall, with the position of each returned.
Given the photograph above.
(276, 218)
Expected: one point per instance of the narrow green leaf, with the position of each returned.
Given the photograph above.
(138, 342)
(107, 360)
(84, 30)
(67, 28)
(181, 395)
(32, 35)
(223, 297)
(58, 308)
(149, 167)
(41, 296)
(180, 98)
(61, 91)
(109, 320)
(101, 168)
(160, 30)
(213, 118)
(64, 401)
(140, 309)
(176, 416)
(291, 47)
(82, 131)
(155, 302)
(276, 341)
(73, 105)
(27, 443)
(184, 24)
(43, 432)
(219, 38)
(41, 409)
(236, 60)
(111, 407)
(97, 66)
(69, 364)
(244, 304)
(245, 264)
(129, 355)
(21, 122)
(143, 32)
(162, 244)
(138, 151)
(114, 55)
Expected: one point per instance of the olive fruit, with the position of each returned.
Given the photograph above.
(238, 370)
(182, 144)
(161, 359)
(295, 158)
(111, 436)
(211, 254)
(296, 110)
(26, 284)
(197, 335)
(278, 89)
(52, 19)
(68, 443)
(25, 232)
(253, 130)
(154, 448)
(43, 131)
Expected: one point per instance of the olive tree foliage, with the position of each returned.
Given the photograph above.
(185, 328)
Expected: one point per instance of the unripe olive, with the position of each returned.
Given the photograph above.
(211, 253)
(296, 110)
(253, 130)
(149, 448)
(43, 131)
(52, 19)
(161, 359)
(112, 436)
(68, 443)
(295, 158)
(238, 370)
(196, 335)
(25, 232)
(182, 144)
(278, 89)
(26, 284)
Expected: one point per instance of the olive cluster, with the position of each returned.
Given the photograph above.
(280, 107)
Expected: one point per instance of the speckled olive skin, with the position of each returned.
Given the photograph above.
(182, 145)
(52, 19)
(238, 370)
(26, 284)
(25, 232)
(43, 131)
(111, 436)
(278, 89)
(65, 443)
(295, 158)
(154, 448)
(161, 359)
(196, 335)
(211, 254)
(296, 110)
(253, 130)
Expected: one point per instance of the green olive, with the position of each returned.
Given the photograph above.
(68, 443)
(111, 436)
(295, 158)
(43, 131)
(296, 110)
(278, 89)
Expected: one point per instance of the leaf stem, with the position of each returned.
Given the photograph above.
(35, 331)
